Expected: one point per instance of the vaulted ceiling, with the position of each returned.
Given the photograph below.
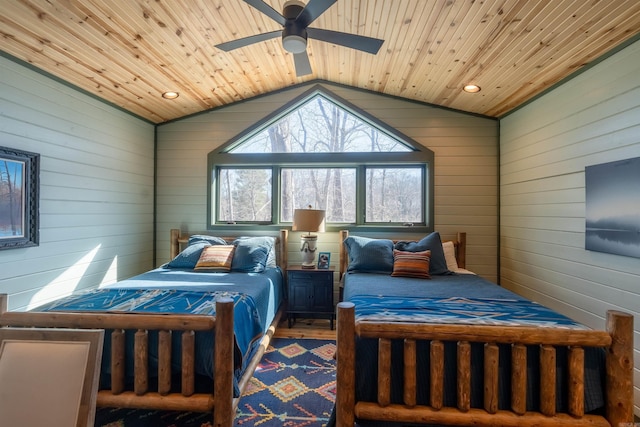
(129, 52)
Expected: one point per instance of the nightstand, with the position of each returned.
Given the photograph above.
(310, 293)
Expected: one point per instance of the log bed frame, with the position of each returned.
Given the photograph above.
(220, 402)
(617, 340)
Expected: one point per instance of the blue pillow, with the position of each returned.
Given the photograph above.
(212, 240)
(369, 255)
(433, 243)
(252, 253)
(189, 257)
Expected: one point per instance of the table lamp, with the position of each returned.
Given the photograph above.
(309, 220)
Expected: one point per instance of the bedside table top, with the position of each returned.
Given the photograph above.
(298, 267)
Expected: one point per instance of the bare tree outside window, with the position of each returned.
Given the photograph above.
(320, 126)
(245, 195)
(315, 187)
(394, 195)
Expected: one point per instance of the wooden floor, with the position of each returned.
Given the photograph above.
(306, 328)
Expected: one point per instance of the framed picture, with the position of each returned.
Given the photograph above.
(19, 197)
(613, 207)
(324, 259)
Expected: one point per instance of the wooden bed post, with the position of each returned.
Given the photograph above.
(619, 368)
(343, 253)
(174, 245)
(461, 249)
(284, 254)
(4, 304)
(346, 365)
(223, 412)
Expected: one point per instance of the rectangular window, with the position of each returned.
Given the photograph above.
(244, 195)
(331, 189)
(395, 195)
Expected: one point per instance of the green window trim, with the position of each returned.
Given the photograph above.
(417, 156)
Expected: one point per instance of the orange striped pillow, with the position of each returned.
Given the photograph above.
(216, 258)
(411, 264)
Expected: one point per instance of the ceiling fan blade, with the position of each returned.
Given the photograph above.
(301, 61)
(312, 11)
(246, 41)
(267, 10)
(354, 41)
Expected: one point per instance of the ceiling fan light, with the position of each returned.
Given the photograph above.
(294, 44)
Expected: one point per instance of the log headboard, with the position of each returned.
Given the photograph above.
(459, 244)
(178, 240)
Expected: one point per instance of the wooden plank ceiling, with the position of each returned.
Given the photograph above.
(129, 52)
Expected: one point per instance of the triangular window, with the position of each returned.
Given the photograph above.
(320, 125)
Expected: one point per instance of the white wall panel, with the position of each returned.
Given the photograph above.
(96, 188)
(544, 149)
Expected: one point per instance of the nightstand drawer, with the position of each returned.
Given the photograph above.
(300, 275)
(325, 277)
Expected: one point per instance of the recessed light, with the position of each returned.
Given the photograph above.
(471, 88)
(170, 95)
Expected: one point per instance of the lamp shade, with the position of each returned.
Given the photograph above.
(308, 220)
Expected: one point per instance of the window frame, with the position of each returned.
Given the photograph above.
(419, 156)
(424, 171)
(215, 184)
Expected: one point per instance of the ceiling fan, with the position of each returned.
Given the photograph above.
(295, 20)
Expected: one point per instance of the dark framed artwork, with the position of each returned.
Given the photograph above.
(613, 207)
(324, 260)
(19, 198)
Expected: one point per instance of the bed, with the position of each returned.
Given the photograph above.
(455, 349)
(185, 336)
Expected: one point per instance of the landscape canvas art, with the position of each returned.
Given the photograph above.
(613, 207)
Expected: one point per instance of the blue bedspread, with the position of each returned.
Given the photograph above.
(460, 299)
(446, 286)
(455, 298)
(256, 296)
(460, 310)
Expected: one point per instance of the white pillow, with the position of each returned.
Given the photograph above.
(463, 271)
(450, 255)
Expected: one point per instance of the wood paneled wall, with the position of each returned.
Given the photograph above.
(544, 149)
(466, 174)
(96, 188)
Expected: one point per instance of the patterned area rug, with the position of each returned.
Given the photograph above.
(293, 386)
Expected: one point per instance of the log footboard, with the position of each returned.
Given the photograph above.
(220, 401)
(617, 340)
